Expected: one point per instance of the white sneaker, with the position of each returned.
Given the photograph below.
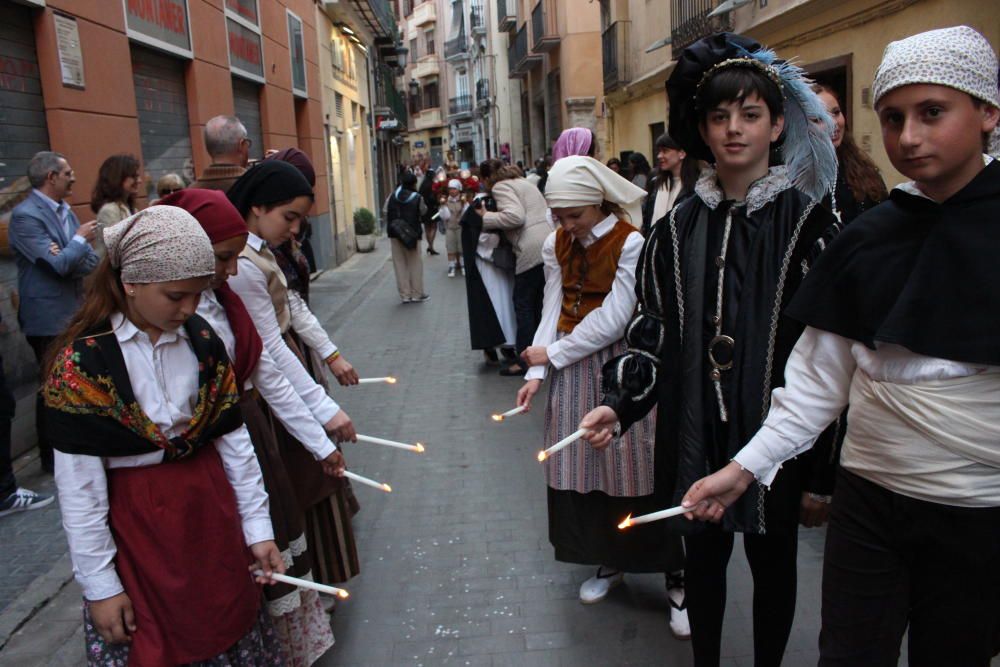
(680, 626)
(596, 588)
(451, 271)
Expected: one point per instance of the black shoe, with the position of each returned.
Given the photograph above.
(512, 370)
(421, 298)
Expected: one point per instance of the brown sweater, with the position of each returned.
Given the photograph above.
(219, 177)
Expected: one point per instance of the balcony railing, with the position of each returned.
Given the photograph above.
(457, 48)
(477, 17)
(460, 105)
(519, 58)
(544, 32)
(614, 55)
(506, 15)
(690, 22)
(482, 92)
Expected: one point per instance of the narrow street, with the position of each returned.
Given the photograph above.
(456, 564)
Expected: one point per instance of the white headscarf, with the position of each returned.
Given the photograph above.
(958, 57)
(578, 180)
(159, 244)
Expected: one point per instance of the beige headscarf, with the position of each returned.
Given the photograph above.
(578, 180)
(159, 244)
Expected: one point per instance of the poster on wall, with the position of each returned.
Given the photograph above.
(245, 9)
(70, 54)
(162, 24)
(246, 55)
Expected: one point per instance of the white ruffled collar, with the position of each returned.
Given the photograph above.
(762, 191)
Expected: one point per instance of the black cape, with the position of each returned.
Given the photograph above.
(485, 331)
(915, 273)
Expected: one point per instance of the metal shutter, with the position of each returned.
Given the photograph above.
(163, 115)
(246, 102)
(23, 131)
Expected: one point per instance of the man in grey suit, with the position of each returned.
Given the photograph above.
(53, 252)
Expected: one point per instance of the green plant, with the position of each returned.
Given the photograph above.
(364, 222)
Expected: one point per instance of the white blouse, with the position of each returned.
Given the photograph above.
(602, 326)
(251, 284)
(164, 378)
(285, 404)
(818, 380)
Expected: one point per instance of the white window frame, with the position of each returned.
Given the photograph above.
(239, 18)
(298, 92)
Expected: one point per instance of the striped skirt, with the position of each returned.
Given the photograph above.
(623, 469)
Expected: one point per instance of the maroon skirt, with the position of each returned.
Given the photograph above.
(182, 559)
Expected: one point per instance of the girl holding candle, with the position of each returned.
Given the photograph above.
(266, 397)
(589, 297)
(161, 495)
(273, 197)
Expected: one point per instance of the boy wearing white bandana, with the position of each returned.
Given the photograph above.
(900, 314)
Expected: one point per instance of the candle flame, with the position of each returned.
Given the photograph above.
(498, 418)
(390, 380)
(342, 594)
(626, 523)
(420, 448)
(541, 456)
(387, 488)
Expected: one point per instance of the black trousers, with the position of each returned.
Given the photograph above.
(773, 566)
(7, 405)
(529, 288)
(893, 561)
(40, 346)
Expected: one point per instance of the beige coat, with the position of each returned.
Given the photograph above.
(521, 215)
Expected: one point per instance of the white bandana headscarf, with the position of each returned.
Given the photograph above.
(958, 57)
(159, 244)
(578, 180)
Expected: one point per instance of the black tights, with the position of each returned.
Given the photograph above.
(772, 563)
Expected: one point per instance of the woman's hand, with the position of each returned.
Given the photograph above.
(709, 497)
(113, 618)
(813, 512)
(341, 428)
(268, 559)
(601, 423)
(343, 371)
(527, 392)
(333, 465)
(536, 355)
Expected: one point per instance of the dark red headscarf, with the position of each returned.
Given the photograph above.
(299, 160)
(221, 221)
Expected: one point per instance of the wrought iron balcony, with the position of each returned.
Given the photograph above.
(690, 22)
(519, 59)
(457, 48)
(477, 17)
(460, 105)
(544, 30)
(614, 55)
(506, 15)
(482, 92)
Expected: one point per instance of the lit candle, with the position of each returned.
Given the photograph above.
(655, 516)
(386, 380)
(418, 448)
(305, 583)
(510, 413)
(381, 486)
(568, 440)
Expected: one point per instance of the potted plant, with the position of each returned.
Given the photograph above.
(364, 230)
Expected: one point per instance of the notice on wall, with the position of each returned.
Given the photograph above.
(70, 53)
(246, 55)
(160, 23)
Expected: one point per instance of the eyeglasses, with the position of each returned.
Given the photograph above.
(249, 141)
(164, 193)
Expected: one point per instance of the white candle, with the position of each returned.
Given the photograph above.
(368, 482)
(570, 439)
(418, 448)
(655, 516)
(386, 380)
(510, 413)
(304, 583)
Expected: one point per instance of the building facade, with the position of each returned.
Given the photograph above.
(423, 27)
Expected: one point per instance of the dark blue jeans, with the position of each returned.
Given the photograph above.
(528, 290)
(7, 405)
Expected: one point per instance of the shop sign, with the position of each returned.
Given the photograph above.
(160, 23)
(419, 144)
(70, 55)
(463, 134)
(387, 124)
(246, 55)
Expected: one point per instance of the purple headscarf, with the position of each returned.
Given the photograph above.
(574, 141)
(299, 160)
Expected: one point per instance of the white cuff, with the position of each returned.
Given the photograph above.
(535, 373)
(324, 450)
(100, 585)
(79, 239)
(257, 530)
(325, 349)
(326, 411)
(762, 467)
(556, 352)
